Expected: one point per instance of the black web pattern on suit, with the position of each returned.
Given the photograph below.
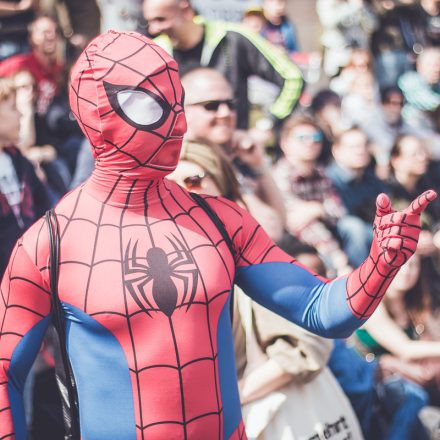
(193, 213)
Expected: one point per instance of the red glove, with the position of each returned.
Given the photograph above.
(395, 238)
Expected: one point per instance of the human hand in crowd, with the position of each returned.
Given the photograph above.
(382, 167)
(263, 132)
(79, 41)
(382, 171)
(386, 5)
(426, 245)
(332, 115)
(397, 233)
(249, 149)
(25, 100)
(339, 260)
(266, 216)
(418, 371)
(40, 154)
(436, 239)
(24, 5)
(357, 3)
(308, 212)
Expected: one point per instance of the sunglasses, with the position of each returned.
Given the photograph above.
(313, 137)
(194, 182)
(213, 106)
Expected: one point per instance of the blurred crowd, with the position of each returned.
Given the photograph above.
(304, 141)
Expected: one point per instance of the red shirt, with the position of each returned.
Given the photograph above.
(46, 76)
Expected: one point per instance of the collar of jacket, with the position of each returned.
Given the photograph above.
(215, 31)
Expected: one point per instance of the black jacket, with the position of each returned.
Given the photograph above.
(34, 203)
(238, 53)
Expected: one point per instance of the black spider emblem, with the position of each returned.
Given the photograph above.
(160, 272)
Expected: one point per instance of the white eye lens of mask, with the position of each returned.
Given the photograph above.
(140, 107)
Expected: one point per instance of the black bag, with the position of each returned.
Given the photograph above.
(63, 370)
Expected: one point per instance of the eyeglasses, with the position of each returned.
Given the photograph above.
(213, 106)
(194, 182)
(313, 137)
(395, 103)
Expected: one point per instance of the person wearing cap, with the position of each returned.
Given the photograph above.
(253, 18)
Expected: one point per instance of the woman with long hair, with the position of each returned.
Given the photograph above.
(413, 170)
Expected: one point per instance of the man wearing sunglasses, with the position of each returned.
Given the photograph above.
(211, 114)
(230, 48)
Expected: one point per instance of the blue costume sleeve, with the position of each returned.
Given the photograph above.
(276, 281)
(301, 297)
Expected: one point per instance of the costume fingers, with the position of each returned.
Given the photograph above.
(383, 205)
(418, 205)
(400, 219)
(396, 258)
(404, 231)
(398, 243)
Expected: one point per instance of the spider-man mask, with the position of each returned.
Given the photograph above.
(126, 94)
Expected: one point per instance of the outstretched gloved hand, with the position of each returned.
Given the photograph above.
(395, 238)
(397, 232)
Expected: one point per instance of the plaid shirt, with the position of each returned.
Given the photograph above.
(316, 187)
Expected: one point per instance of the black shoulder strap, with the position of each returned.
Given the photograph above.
(221, 228)
(64, 374)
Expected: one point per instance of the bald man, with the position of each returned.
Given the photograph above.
(229, 48)
(211, 115)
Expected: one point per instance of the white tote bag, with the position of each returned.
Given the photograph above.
(317, 410)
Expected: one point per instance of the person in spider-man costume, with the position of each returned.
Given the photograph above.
(145, 276)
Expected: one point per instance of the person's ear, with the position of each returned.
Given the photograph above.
(335, 150)
(394, 160)
(283, 143)
(185, 7)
